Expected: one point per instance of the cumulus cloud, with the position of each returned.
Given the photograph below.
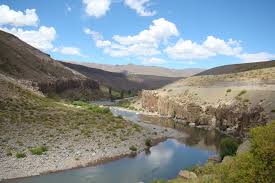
(69, 51)
(96, 8)
(256, 57)
(186, 49)
(41, 38)
(145, 43)
(140, 6)
(18, 18)
(212, 46)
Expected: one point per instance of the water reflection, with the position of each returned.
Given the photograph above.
(165, 161)
(205, 139)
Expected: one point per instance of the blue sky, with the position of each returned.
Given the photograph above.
(174, 33)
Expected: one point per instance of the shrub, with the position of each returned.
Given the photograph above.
(20, 155)
(38, 150)
(228, 90)
(273, 110)
(263, 143)
(242, 93)
(133, 148)
(9, 153)
(148, 142)
(228, 147)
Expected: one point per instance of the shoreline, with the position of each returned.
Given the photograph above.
(62, 159)
(93, 163)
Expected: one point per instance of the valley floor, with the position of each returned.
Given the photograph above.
(39, 135)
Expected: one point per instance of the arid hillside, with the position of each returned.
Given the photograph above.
(230, 102)
(143, 70)
(235, 68)
(121, 81)
(27, 64)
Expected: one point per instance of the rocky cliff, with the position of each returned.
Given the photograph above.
(233, 118)
(232, 103)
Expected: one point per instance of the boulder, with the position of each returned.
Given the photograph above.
(185, 174)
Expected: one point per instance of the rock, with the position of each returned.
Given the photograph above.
(214, 159)
(192, 124)
(187, 174)
(244, 147)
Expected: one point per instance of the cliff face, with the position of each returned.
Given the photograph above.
(233, 118)
(62, 85)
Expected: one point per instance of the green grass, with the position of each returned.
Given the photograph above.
(20, 155)
(38, 150)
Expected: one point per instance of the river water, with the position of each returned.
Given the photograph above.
(164, 160)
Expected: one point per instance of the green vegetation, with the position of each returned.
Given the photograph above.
(94, 108)
(38, 150)
(228, 147)
(20, 155)
(273, 110)
(148, 142)
(242, 93)
(124, 103)
(228, 90)
(133, 148)
(254, 166)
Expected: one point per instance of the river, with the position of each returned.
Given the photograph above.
(163, 161)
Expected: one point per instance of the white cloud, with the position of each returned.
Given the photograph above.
(221, 47)
(140, 7)
(256, 57)
(17, 18)
(212, 46)
(69, 51)
(145, 43)
(186, 49)
(160, 30)
(96, 8)
(41, 38)
(153, 60)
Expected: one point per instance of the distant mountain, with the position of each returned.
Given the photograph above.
(235, 68)
(122, 81)
(143, 70)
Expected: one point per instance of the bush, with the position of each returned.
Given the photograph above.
(263, 143)
(242, 93)
(133, 148)
(228, 147)
(20, 155)
(228, 90)
(38, 150)
(148, 142)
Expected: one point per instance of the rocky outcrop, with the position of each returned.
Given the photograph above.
(233, 118)
(188, 175)
(61, 85)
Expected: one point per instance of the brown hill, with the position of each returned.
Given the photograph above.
(24, 62)
(143, 70)
(235, 68)
(121, 81)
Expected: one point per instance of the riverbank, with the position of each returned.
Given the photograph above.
(73, 151)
